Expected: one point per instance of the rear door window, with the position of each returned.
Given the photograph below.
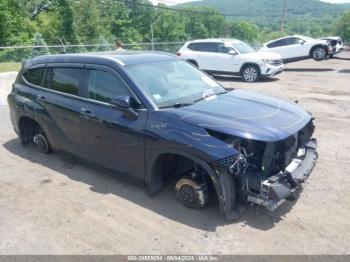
(103, 86)
(34, 76)
(209, 47)
(277, 43)
(65, 80)
(204, 47)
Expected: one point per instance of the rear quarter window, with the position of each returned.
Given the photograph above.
(193, 46)
(34, 76)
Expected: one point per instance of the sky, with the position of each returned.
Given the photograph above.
(172, 2)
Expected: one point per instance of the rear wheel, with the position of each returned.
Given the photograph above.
(319, 53)
(250, 73)
(41, 143)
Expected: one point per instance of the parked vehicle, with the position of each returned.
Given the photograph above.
(336, 45)
(298, 47)
(231, 57)
(155, 117)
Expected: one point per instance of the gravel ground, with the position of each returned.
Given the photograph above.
(53, 204)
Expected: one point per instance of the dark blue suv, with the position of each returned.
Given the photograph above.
(155, 117)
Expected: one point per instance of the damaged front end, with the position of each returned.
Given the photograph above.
(283, 186)
(270, 173)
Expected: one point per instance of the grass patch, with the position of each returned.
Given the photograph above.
(9, 66)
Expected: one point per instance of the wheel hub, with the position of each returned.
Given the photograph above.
(188, 194)
(319, 53)
(41, 144)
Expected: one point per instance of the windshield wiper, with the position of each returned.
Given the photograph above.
(207, 96)
(177, 105)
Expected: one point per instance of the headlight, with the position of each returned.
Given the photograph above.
(267, 61)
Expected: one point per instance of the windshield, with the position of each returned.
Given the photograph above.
(174, 82)
(243, 48)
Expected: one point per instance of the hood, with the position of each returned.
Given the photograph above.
(263, 55)
(331, 38)
(319, 41)
(248, 115)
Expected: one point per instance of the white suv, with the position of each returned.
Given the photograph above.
(231, 57)
(298, 47)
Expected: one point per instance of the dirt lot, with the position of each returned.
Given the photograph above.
(55, 205)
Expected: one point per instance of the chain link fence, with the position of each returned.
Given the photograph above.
(12, 56)
(23, 52)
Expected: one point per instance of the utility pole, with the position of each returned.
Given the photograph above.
(284, 14)
(152, 30)
(152, 36)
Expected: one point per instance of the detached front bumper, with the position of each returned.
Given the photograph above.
(284, 186)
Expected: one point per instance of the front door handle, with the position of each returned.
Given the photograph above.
(87, 113)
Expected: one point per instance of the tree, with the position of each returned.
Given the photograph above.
(40, 46)
(102, 44)
(88, 20)
(244, 31)
(50, 25)
(205, 22)
(342, 27)
(169, 26)
(67, 30)
(14, 27)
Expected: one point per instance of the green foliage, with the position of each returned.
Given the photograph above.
(40, 46)
(261, 11)
(311, 17)
(243, 30)
(88, 20)
(67, 22)
(102, 44)
(169, 26)
(14, 27)
(342, 28)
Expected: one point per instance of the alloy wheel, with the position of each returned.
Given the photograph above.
(319, 53)
(250, 74)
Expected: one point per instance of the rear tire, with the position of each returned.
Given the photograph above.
(41, 143)
(250, 73)
(319, 53)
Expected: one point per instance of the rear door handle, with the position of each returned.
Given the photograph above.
(87, 113)
(41, 97)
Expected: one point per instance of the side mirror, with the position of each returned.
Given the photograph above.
(232, 52)
(301, 42)
(124, 104)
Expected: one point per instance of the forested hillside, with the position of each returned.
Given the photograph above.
(312, 17)
(266, 8)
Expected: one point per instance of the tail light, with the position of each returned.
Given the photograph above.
(178, 53)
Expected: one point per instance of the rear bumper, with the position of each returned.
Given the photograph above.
(284, 186)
